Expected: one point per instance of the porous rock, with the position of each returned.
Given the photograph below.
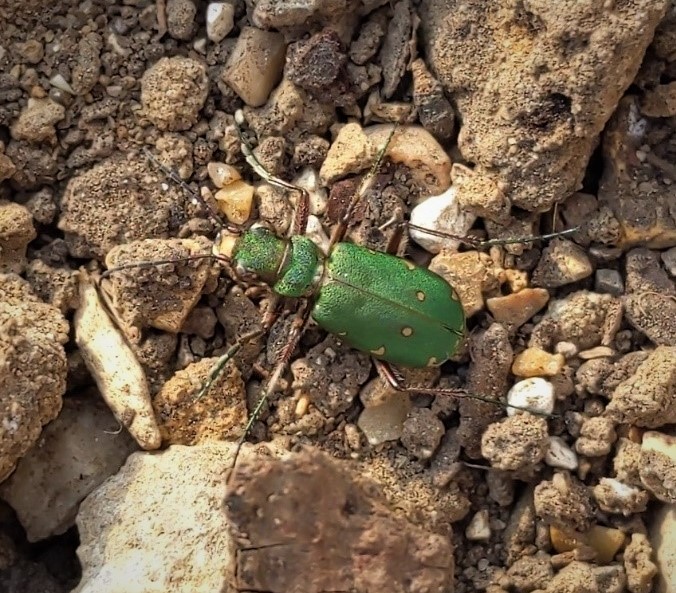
(218, 414)
(584, 318)
(516, 443)
(487, 378)
(117, 201)
(531, 117)
(639, 192)
(647, 397)
(565, 502)
(16, 232)
(32, 368)
(159, 296)
(173, 91)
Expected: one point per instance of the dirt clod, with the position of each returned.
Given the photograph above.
(348, 524)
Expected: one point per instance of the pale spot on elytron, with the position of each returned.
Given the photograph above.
(379, 352)
(409, 265)
(407, 331)
(432, 362)
(420, 295)
(341, 334)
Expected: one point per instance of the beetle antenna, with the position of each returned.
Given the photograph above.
(194, 196)
(303, 207)
(481, 244)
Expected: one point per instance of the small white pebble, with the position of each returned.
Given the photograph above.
(534, 393)
(220, 20)
(59, 82)
(200, 45)
(560, 455)
(308, 179)
(315, 232)
(479, 528)
(440, 213)
(568, 349)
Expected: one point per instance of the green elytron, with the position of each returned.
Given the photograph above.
(375, 302)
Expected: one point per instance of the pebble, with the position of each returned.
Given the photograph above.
(605, 541)
(662, 537)
(37, 121)
(479, 528)
(657, 465)
(315, 232)
(59, 82)
(76, 453)
(255, 65)
(669, 261)
(422, 433)
(609, 281)
(470, 273)
(562, 262)
(220, 20)
(513, 310)
(434, 110)
(349, 153)
(534, 362)
(235, 201)
(614, 496)
(560, 455)
(440, 213)
(181, 18)
(535, 393)
(568, 349)
(308, 179)
(385, 422)
(597, 352)
(414, 147)
(222, 174)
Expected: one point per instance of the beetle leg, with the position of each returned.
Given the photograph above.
(388, 374)
(338, 233)
(195, 197)
(295, 333)
(302, 207)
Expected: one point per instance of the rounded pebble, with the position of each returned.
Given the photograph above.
(534, 362)
(440, 213)
(220, 20)
(479, 528)
(235, 200)
(560, 455)
(222, 174)
(535, 393)
(386, 422)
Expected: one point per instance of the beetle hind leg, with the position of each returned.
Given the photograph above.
(388, 374)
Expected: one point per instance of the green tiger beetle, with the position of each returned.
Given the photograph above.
(398, 312)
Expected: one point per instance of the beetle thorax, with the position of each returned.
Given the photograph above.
(292, 267)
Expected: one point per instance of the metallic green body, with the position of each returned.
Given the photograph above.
(389, 307)
(375, 302)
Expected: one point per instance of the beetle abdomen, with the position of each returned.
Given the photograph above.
(389, 307)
